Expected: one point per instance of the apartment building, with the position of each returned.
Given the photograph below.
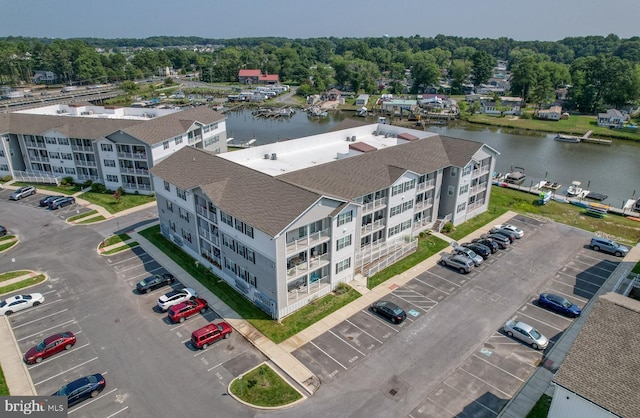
(284, 223)
(112, 145)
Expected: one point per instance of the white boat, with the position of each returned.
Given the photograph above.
(574, 189)
(566, 138)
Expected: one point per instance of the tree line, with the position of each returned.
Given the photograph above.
(598, 70)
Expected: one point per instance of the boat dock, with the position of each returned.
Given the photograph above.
(587, 138)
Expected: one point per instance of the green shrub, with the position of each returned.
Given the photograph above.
(448, 227)
(526, 115)
(98, 188)
(67, 181)
(87, 183)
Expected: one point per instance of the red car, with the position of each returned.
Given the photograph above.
(50, 346)
(209, 334)
(186, 309)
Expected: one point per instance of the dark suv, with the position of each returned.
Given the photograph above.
(492, 245)
(480, 249)
(61, 202)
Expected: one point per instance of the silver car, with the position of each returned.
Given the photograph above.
(517, 231)
(22, 192)
(469, 253)
(527, 333)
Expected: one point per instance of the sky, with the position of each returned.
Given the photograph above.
(544, 20)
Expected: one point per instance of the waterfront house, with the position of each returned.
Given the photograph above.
(553, 113)
(256, 77)
(505, 106)
(362, 100)
(400, 106)
(284, 223)
(612, 118)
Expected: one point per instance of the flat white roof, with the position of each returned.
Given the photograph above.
(297, 154)
(92, 111)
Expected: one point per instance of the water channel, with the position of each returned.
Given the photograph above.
(610, 170)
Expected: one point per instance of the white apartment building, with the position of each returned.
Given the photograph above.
(284, 223)
(112, 145)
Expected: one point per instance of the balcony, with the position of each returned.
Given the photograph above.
(378, 203)
(86, 163)
(205, 213)
(131, 170)
(204, 233)
(195, 139)
(480, 171)
(475, 205)
(133, 155)
(82, 148)
(305, 242)
(478, 188)
(373, 226)
(429, 184)
(424, 204)
(88, 177)
(34, 144)
(134, 186)
(39, 158)
(422, 224)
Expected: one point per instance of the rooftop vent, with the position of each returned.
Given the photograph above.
(266, 156)
(274, 156)
(348, 138)
(353, 138)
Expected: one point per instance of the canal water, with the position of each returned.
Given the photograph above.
(610, 170)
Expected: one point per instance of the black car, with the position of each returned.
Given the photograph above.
(81, 389)
(155, 282)
(61, 202)
(502, 240)
(47, 199)
(389, 310)
(482, 250)
(492, 245)
(512, 237)
(3, 231)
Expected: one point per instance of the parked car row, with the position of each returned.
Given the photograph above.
(182, 304)
(56, 202)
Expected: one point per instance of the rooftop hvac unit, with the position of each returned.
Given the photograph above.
(348, 138)
(274, 156)
(386, 135)
(266, 156)
(353, 138)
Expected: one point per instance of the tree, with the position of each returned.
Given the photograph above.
(424, 71)
(482, 68)
(460, 71)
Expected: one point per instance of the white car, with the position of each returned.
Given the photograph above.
(19, 302)
(527, 333)
(174, 297)
(519, 232)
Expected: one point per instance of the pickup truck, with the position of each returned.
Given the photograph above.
(456, 261)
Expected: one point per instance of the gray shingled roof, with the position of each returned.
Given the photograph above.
(168, 126)
(356, 176)
(603, 365)
(254, 197)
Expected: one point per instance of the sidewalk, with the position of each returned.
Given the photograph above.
(18, 279)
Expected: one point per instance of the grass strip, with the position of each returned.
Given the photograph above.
(22, 284)
(262, 386)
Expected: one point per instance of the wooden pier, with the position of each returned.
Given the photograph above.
(587, 138)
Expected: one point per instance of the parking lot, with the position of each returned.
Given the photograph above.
(34, 202)
(487, 378)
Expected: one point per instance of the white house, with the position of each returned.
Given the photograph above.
(284, 223)
(553, 113)
(612, 118)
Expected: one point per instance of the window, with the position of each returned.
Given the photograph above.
(167, 186)
(112, 178)
(248, 230)
(186, 235)
(251, 256)
(63, 141)
(5, 167)
(69, 170)
(66, 156)
(183, 214)
(50, 140)
(407, 205)
(454, 171)
(106, 147)
(211, 140)
(109, 163)
(181, 193)
(170, 206)
(165, 144)
(343, 265)
(464, 189)
(172, 225)
(461, 207)
(399, 228)
(395, 210)
(228, 242)
(344, 218)
(467, 170)
(239, 225)
(397, 189)
(227, 219)
(411, 184)
(178, 140)
(52, 155)
(58, 170)
(343, 242)
(450, 190)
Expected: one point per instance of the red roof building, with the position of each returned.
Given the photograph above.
(256, 77)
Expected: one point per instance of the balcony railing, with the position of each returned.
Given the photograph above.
(422, 223)
(426, 185)
(86, 163)
(137, 186)
(423, 204)
(204, 233)
(39, 158)
(81, 148)
(307, 241)
(373, 226)
(477, 189)
(204, 212)
(133, 155)
(34, 144)
(131, 170)
(480, 171)
(87, 177)
(378, 203)
(475, 205)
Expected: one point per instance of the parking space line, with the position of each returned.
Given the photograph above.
(50, 291)
(584, 272)
(327, 354)
(344, 341)
(135, 266)
(574, 287)
(578, 278)
(116, 413)
(354, 325)
(93, 400)
(68, 370)
(542, 322)
(557, 315)
(497, 367)
(485, 382)
(45, 330)
(136, 257)
(223, 362)
(408, 301)
(432, 286)
(475, 401)
(440, 277)
(59, 356)
(146, 273)
(380, 320)
(581, 299)
(39, 319)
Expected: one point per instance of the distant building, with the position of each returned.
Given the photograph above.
(256, 77)
(362, 100)
(46, 77)
(600, 377)
(553, 113)
(612, 118)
